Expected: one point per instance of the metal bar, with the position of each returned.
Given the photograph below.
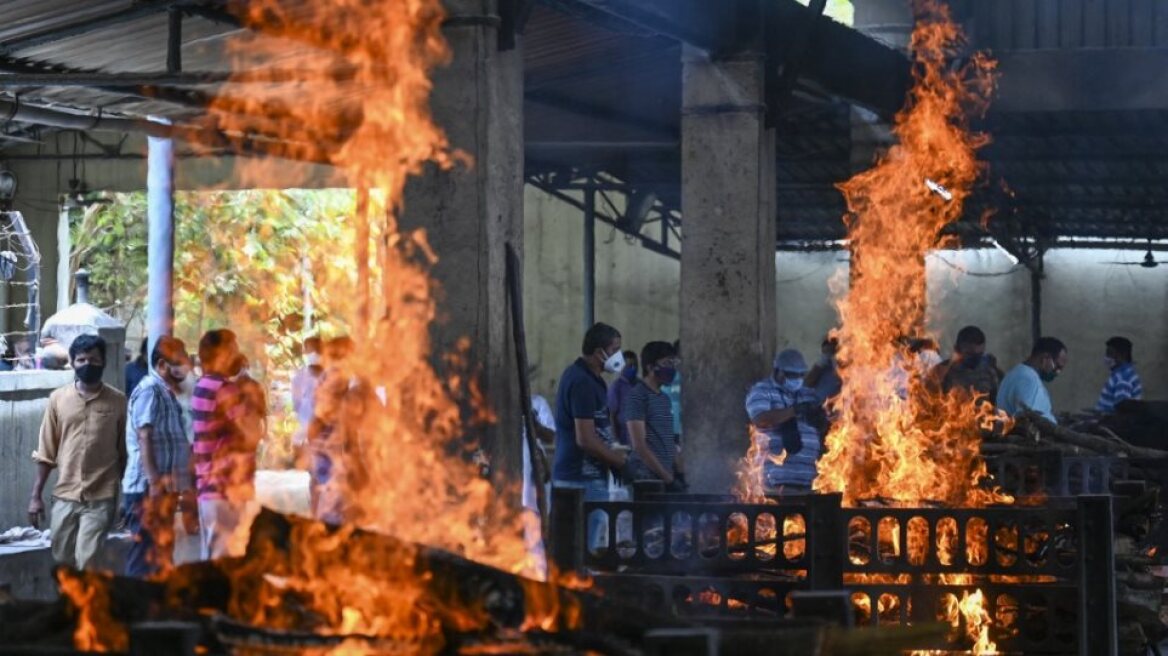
(1098, 634)
(135, 11)
(26, 76)
(160, 235)
(174, 41)
(589, 258)
(646, 242)
(1036, 298)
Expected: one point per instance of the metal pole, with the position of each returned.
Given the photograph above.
(1036, 273)
(160, 245)
(64, 250)
(589, 258)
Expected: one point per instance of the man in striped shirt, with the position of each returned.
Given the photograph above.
(224, 452)
(159, 469)
(1124, 383)
(792, 416)
(648, 414)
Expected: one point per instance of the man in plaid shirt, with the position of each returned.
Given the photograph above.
(159, 468)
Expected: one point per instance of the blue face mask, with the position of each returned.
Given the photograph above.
(629, 373)
(665, 375)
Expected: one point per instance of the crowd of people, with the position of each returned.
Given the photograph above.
(179, 441)
(631, 429)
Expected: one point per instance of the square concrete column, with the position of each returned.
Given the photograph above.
(469, 213)
(727, 258)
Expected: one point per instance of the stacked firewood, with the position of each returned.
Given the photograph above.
(1139, 487)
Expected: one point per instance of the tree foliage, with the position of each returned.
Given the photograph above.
(245, 260)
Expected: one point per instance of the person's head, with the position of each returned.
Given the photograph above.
(238, 366)
(630, 370)
(217, 350)
(337, 350)
(790, 369)
(659, 360)
(312, 350)
(602, 348)
(1119, 351)
(970, 346)
(87, 357)
(1048, 357)
(22, 347)
(170, 359)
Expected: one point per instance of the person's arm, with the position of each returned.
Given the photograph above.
(154, 480)
(772, 418)
(46, 459)
(544, 434)
(636, 430)
(590, 443)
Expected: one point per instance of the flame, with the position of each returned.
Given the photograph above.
(97, 630)
(363, 109)
(895, 438)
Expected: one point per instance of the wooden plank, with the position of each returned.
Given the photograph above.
(1025, 25)
(1143, 14)
(1071, 23)
(1048, 23)
(1094, 23)
(1118, 23)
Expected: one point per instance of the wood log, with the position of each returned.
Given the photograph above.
(1031, 421)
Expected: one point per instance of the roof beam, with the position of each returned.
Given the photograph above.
(133, 11)
(165, 79)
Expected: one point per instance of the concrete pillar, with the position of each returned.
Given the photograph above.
(470, 213)
(64, 249)
(727, 258)
(160, 239)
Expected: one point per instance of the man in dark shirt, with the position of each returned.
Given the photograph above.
(649, 415)
(584, 439)
(970, 369)
(137, 370)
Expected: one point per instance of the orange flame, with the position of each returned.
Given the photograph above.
(97, 630)
(895, 438)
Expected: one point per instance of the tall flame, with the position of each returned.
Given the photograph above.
(895, 438)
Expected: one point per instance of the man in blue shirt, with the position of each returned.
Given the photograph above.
(1124, 383)
(1023, 387)
(584, 438)
(792, 416)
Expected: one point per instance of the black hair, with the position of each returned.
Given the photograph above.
(142, 349)
(216, 349)
(655, 351)
(1122, 347)
(971, 335)
(631, 355)
(170, 349)
(85, 343)
(1047, 346)
(599, 336)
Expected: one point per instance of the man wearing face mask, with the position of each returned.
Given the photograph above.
(649, 414)
(160, 472)
(83, 437)
(792, 416)
(1124, 383)
(584, 453)
(617, 392)
(970, 368)
(1024, 387)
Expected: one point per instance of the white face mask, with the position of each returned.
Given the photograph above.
(313, 359)
(615, 362)
(792, 384)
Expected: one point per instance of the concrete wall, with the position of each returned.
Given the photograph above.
(1085, 300)
(636, 290)
(23, 397)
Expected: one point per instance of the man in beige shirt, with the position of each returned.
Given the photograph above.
(82, 437)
